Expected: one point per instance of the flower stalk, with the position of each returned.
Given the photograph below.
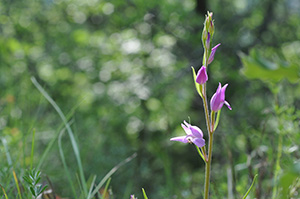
(194, 134)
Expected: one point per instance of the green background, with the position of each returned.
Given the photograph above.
(121, 71)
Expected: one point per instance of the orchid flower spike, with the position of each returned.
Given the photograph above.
(201, 77)
(212, 54)
(218, 99)
(193, 134)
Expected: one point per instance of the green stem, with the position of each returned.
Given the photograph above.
(210, 130)
(206, 109)
(208, 166)
(210, 144)
(277, 166)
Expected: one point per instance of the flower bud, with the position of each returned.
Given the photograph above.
(208, 30)
(218, 99)
(212, 54)
(209, 23)
(201, 77)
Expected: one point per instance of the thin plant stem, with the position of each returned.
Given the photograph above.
(206, 109)
(210, 129)
(208, 166)
(210, 144)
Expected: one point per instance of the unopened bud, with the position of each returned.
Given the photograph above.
(209, 23)
(208, 30)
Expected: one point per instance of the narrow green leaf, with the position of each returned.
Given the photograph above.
(217, 120)
(43, 189)
(37, 180)
(144, 194)
(250, 187)
(32, 191)
(201, 155)
(27, 179)
(106, 188)
(198, 86)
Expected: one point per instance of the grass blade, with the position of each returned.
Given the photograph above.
(250, 187)
(51, 143)
(65, 164)
(111, 172)
(17, 184)
(106, 188)
(4, 192)
(69, 130)
(91, 187)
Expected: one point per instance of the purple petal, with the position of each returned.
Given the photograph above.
(208, 39)
(228, 105)
(201, 77)
(200, 142)
(212, 54)
(215, 101)
(186, 124)
(223, 92)
(213, 105)
(196, 131)
(186, 128)
(180, 139)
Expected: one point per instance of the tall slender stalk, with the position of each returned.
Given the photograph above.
(208, 167)
(209, 130)
(210, 144)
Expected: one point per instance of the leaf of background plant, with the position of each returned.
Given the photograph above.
(255, 66)
(288, 178)
(144, 194)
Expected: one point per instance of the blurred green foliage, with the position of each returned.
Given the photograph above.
(257, 67)
(121, 71)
